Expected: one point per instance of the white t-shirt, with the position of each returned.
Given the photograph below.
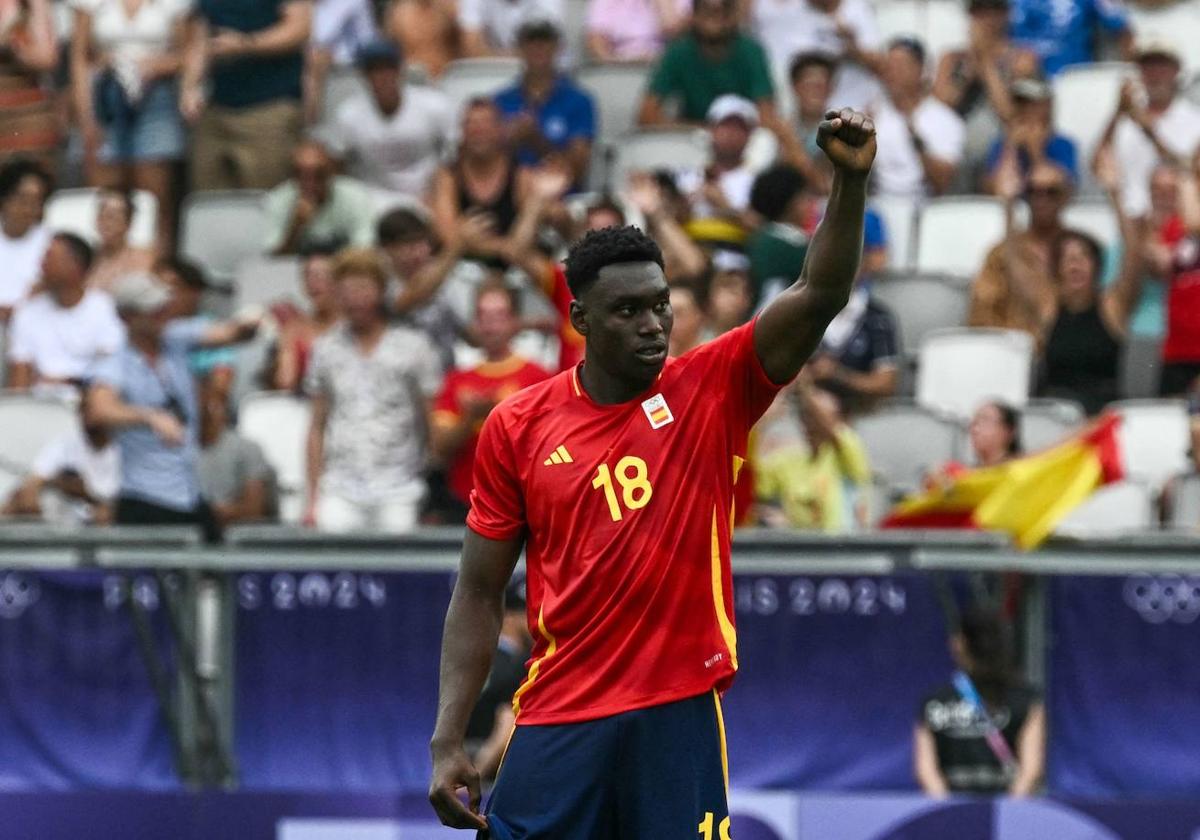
(21, 263)
(342, 26)
(124, 37)
(499, 20)
(100, 469)
(399, 153)
(64, 343)
(1178, 129)
(897, 169)
(735, 185)
(788, 27)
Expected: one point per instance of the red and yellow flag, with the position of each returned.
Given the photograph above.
(1026, 497)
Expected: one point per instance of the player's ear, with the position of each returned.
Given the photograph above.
(578, 314)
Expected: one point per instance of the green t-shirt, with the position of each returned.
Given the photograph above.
(685, 74)
(776, 255)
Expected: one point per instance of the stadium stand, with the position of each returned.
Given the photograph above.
(958, 369)
(74, 211)
(221, 229)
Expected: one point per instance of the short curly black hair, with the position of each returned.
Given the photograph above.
(16, 171)
(774, 189)
(607, 246)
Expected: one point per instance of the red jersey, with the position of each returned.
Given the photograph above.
(1182, 342)
(570, 341)
(626, 514)
(495, 381)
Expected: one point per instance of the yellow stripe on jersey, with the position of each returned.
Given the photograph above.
(738, 463)
(564, 454)
(724, 745)
(728, 633)
(536, 667)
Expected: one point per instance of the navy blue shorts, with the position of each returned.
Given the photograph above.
(657, 773)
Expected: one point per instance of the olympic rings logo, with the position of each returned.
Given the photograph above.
(1162, 598)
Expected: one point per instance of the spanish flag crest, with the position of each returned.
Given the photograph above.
(657, 411)
(1026, 497)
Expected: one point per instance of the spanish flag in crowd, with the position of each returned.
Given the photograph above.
(1026, 497)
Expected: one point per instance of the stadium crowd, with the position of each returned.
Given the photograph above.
(422, 231)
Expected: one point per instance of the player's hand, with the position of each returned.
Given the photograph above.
(453, 771)
(848, 139)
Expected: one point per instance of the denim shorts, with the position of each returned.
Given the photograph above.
(153, 132)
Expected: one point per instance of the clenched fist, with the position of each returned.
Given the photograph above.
(848, 139)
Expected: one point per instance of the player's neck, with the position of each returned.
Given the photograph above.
(606, 389)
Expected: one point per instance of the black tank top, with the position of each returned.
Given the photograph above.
(503, 207)
(1082, 358)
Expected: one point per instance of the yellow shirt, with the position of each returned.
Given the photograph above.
(811, 486)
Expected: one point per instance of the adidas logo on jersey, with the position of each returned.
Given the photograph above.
(558, 456)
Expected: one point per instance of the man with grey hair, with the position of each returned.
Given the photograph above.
(146, 396)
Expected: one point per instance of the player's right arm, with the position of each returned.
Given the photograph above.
(468, 644)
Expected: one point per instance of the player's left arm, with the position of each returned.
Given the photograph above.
(791, 326)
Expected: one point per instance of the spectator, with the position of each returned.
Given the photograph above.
(235, 480)
(778, 248)
(811, 485)
(1030, 137)
(1181, 346)
(1163, 229)
(730, 297)
(858, 360)
(687, 307)
(124, 75)
(920, 138)
(633, 30)
(468, 396)
(681, 255)
(1065, 33)
(245, 135)
(995, 434)
(213, 366)
(429, 283)
(1153, 124)
(484, 179)
(114, 255)
(145, 395)
(1024, 256)
(951, 751)
(844, 30)
(427, 32)
(393, 135)
(490, 27)
(316, 206)
(23, 239)
(59, 334)
(340, 28)
(721, 190)
(547, 115)
(28, 53)
(298, 330)
(811, 75)
(370, 383)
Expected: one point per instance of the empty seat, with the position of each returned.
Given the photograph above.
(922, 303)
(1095, 218)
(1155, 439)
(959, 369)
(618, 90)
(28, 424)
(278, 422)
(941, 25)
(1113, 509)
(74, 211)
(1085, 97)
(1045, 422)
(220, 229)
(954, 235)
(659, 148)
(1185, 502)
(905, 441)
(899, 214)
(341, 84)
(263, 280)
(468, 78)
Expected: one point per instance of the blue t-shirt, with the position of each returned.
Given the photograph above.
(1064, 32)
(1059, 149)
(151, 470)
(246, 82)
(568, 113)
(874, 232)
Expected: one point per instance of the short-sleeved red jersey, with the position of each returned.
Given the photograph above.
(626, 510)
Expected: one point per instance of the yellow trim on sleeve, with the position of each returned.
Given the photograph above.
(728, 633)
(444, 417)
(536, 667)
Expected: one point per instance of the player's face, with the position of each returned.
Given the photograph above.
(626, 317)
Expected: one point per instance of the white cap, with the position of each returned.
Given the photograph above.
(1154, 46)
(732, 105)
(140, 292)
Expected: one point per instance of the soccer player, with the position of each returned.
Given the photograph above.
(616, 476)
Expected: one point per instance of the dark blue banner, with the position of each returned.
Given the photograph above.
(1124, 686)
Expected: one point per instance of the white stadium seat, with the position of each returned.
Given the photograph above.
(467, 78)
(905, 441)
(940, 25)
(922, 303)
(617, 89)
(954, 235)
(29, 423)
(221, 229)
(278, 422)
(899, 214)
(1045, 422)
(1155, 439)
(1113, 509)
(1085, 97)
(658, 148)
(341, 84)
(959, 369)
(74, 211)
(263, 280)
(1185, 502)
(1095, 218)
